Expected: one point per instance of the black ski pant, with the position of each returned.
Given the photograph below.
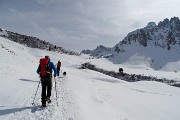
(46, 89)
(58, 69)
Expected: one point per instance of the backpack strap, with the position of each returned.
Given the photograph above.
(49, 68)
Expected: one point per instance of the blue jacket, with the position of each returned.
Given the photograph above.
(52, 66)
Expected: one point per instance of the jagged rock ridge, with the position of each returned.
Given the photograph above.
(33, 42)
(129, 77)
(165, 35)
(157, 45)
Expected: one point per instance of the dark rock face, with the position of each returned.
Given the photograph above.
(33, 42)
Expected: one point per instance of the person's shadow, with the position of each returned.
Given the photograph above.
(28, 80)
(17, 109)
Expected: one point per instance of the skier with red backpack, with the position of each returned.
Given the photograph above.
(58, 67)
(45, 71)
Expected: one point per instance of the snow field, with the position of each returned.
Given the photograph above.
(82, 94)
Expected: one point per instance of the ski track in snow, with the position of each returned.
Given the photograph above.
(52, 112)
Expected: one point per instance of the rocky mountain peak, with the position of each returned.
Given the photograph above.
(164, 23)
(173, 23)
(151, 25)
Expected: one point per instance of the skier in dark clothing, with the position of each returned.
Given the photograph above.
(46, 80)
(58, 67)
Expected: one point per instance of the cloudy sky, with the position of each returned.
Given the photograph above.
(83, 24)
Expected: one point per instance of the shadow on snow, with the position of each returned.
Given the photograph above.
(14, 110)
(27, 80)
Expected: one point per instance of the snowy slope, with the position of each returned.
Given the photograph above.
(82, 94)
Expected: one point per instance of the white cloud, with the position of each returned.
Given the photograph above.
(45, 2)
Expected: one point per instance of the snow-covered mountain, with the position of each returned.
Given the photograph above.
(154, 45)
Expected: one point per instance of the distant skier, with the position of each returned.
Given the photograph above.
(58, 67)
(45, 71)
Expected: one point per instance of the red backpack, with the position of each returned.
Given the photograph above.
(43, 66)
(59, 64)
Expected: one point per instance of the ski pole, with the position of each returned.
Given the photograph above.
(56, 91)
(36, 93)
